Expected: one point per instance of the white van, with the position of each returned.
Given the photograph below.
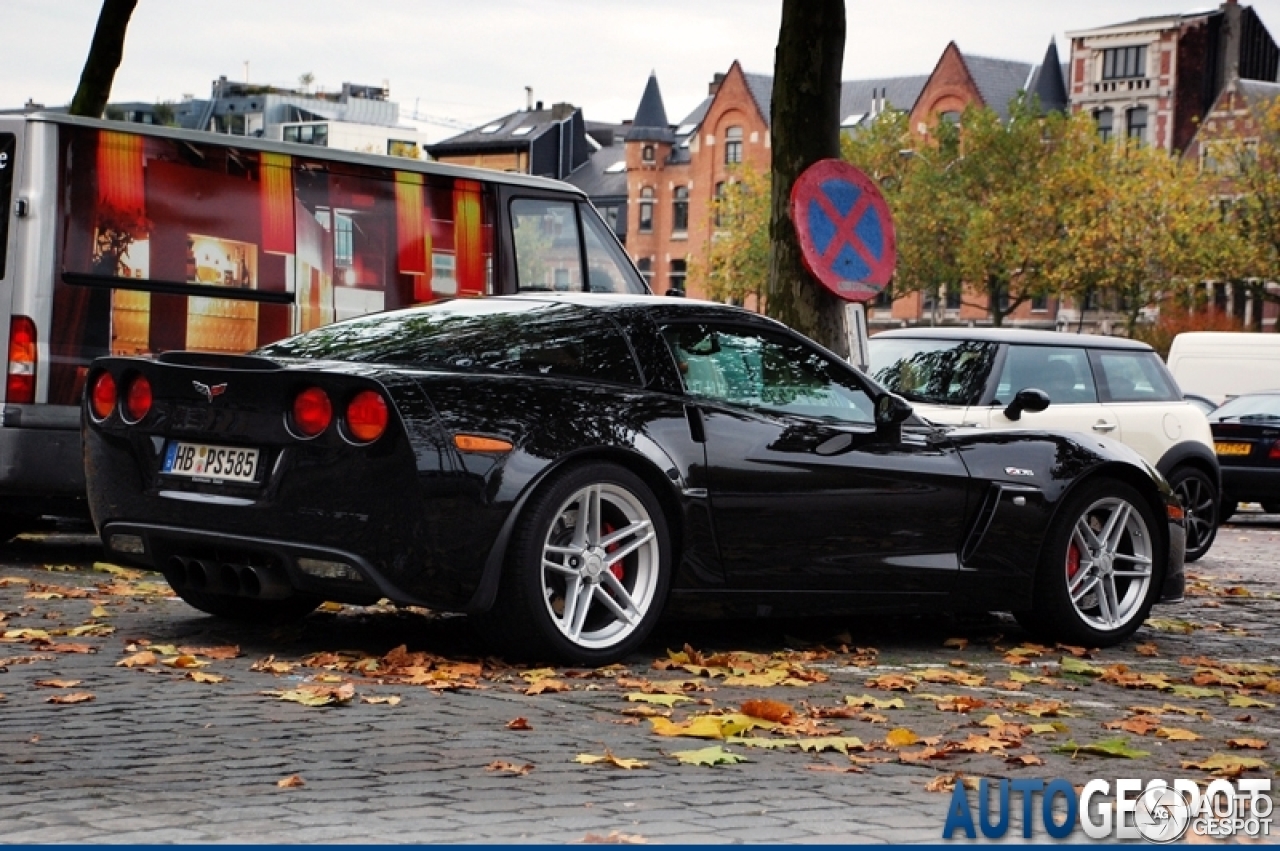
(1222, 364)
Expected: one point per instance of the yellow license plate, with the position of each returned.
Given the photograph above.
(1232, 448)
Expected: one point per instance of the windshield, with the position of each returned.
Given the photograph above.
(940, 372)
(1258, 406)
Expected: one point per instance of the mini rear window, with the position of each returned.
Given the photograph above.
(950, 372)
(1133, 377)
(535, 338)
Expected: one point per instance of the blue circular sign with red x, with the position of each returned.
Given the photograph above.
(845, 229)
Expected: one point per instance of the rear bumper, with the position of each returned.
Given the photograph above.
(1175, 577)
(42, 471)
(1251, 484)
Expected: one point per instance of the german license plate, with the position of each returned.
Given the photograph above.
(218, 463)
(1223, 448)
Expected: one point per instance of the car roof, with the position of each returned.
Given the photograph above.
(1021, 336)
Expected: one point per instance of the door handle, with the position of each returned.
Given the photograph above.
(1103, 425)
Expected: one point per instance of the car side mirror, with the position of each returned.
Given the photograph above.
(891, 411)
(1027, 399)
(675, 292)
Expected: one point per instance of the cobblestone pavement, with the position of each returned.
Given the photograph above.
(158, 755)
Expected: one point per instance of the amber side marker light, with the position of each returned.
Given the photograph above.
(476, 443)
(1175, 512)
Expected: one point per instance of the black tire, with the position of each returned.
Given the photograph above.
(1054, 615)
(246, 609)
(1199, 496)
(553, 568)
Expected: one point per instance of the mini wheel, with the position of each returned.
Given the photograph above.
(1199, 497)
(1097, 580)
(587, 571)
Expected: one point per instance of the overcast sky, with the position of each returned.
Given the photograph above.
(470, 60)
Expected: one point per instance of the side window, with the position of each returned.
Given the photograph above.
(1133, 377)
(1061, 371)
(548, 254)
(765, 370)
(608, 269)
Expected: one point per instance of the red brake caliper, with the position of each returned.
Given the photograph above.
(615, 569)
(1073, 560)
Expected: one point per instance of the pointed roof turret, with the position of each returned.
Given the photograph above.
(1048, 83)
(650, 124)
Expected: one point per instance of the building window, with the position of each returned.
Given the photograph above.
(717, 204)
(1136, 123)
(1104, 117)
(646, 209)
(307, 134)
(951, 116)
(610, 214)
(647, 153)
(680, 209)
(733, 145)
(884, 299)
(343, 242)
(675, 280)
(645, 265)
(1040, 304)
(1119, 63)
(952, 301)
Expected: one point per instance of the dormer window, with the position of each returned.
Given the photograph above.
(1121, 63)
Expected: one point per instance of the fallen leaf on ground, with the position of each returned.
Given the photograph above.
(1178, 734)
(382, 699)
(1244, 702)
(293, 781)
(1255, 744)
(710, 755)
(1139, 725)
(901, 737)
(316, 695)
(205, 677)
(1147, 648)
(509, 767)
(658, 699)
(73, 697)
(271, 666)
(609, 759)
(1118, 747)
(769, 710)
(184, 661)
(1024, 759)
(1226, 764)
(230, 651)
(878, 703)
(146, 657)
(519, 724)
(543, 686)
(58, 683)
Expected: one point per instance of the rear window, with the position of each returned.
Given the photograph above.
(941, 372)
(1262, 406)
(8, 149)
(535, 338)
(1133, 377)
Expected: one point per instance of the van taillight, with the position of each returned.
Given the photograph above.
(21, 385)
(312, 411)
(1274, 454)
(102, 395)
(367, 416)
(137, 400)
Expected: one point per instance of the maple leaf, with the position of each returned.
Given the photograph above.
(893, 682)
(769, 710)
(923, 755)
(837, 769)
(1139, 725)
(387, 699)
(72, 697)
(58, 683)
(1024, 759)
(830, 743)
(519, 724)
(1072, 665)
(316, 695)
(960, 703)
(183, 662)
(68, 648)
(542, 686)
(1243, 702)
(1048, 729)
(710, 755)
(509, 767)
(1255, 744)
(204, 677)
(978, 744)
(293, 781)
(900, 737)
(709, 726)
(960, 678)
(767, 744)
(1225, 764)
(269, 665)
(145, 657)
(1194, 692)
(1117, 747)
(230, 651)
(609, 759)
(1178, 734)
(947, 782)
(878, 703)
(1043, 708)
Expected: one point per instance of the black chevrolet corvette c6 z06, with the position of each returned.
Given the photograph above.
(567, 468)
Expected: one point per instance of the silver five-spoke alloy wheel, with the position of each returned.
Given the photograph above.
(600, 566)
(1109, 564)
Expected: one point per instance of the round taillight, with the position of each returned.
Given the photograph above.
(312, 411)
(102, 395)
(367, 416)
(137, 400)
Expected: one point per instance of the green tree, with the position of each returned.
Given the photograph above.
(105, 52)
(805, 122)
(736, 266)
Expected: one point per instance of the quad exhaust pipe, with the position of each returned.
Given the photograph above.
(235, 580)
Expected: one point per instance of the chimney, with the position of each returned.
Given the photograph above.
(715, 84)
(1229, 48)
(561, 111)
(528, 98)
(538, 106)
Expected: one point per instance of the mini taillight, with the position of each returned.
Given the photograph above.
(21, 384)
(367, 416)
(137, 400)
(312, 411)
(102, 395)
(1274, 454)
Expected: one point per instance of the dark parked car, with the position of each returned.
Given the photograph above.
(1246, 436)
(568, 467)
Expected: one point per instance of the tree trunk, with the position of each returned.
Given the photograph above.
(805, 127)
(105, 54)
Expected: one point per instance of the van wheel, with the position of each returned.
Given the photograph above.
(1199, 497)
